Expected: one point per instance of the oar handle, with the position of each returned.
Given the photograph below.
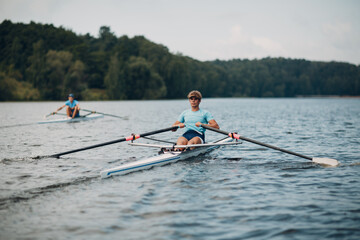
(237, 136)
(129, 138)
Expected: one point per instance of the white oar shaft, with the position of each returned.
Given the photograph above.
(106, 114)
(183, 146)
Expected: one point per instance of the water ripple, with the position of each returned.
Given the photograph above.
(242, 192)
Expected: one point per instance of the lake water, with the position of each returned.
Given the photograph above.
(235, 192)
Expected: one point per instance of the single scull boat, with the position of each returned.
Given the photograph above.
(166, 155)
(77, 119)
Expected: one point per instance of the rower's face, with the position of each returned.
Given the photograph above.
(71, 99)
(194, 102)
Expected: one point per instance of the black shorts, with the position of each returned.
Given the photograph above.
(191, 134)
(72, 112)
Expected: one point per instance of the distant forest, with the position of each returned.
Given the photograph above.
(43, 62)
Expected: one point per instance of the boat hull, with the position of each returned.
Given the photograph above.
(160, 160)
(77, 119)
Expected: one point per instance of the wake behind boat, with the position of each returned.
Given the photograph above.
(167, 155)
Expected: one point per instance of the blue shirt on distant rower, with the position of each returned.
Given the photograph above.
(71, 105)
(190, 118)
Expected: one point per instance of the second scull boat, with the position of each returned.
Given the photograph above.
(77, 119)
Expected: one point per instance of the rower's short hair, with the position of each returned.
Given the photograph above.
(195, 93)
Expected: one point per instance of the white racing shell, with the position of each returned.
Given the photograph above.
(163, 158)
(77, 119)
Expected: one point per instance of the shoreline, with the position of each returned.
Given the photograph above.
(126, 100)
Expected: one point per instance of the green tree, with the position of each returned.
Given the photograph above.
(178, 78)
(141, 81)
(57, 66)
(17, 53)
(35, 73)
(114, 81)
(107, 38)
(73, 81)
(7, 87)
(97, 69)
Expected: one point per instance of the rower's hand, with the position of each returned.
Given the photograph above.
(198, 124)
(180, 125)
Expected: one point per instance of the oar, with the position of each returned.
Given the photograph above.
(48, 115)
(130, 138)
(105, 114)
(53, 113)
(323, 161)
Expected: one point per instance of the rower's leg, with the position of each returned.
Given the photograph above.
(195, 140)
(68, 111)
(76, 110)
(181, 141)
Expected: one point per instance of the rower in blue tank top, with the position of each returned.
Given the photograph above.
(191, 120)
(72, 107)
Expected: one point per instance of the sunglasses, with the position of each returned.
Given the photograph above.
(194, 98)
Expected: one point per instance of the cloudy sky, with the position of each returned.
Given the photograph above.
(324, 30)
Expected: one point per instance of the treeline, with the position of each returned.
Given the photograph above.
(42, 62)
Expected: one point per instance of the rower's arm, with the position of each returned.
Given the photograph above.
(212, 123)
(178, 123)
(60, 108)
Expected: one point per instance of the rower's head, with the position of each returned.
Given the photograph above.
(194, 97)
(71, 97)
(194, 94)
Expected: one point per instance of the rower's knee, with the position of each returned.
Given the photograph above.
(181, 141)
(195, 140)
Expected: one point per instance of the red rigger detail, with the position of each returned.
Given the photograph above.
(234, 135)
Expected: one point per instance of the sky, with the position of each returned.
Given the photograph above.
(318, 30)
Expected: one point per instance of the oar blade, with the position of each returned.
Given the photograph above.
(48, 115)
(326, 161)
